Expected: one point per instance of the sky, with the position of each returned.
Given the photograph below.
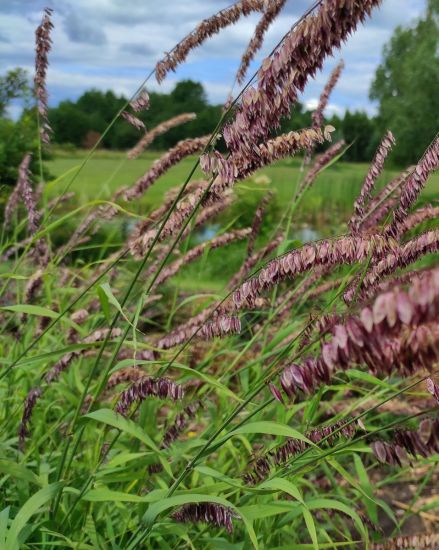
(114, 44)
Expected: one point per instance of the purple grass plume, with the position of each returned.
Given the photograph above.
(206, 512)
(43, 44)
(162, 388)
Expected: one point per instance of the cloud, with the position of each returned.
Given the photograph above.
(138, 33)
(331, 109)
(78, 30)
(138, 48)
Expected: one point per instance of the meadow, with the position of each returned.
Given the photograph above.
(330, 197)
(222, 350)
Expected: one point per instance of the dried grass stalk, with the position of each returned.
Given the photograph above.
(206, 29)
(374, 171)
(197, 251)
(160, 129)
(413, 185)
(43, 45)
(272, 10)
(317, 116)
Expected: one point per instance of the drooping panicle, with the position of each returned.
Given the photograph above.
(162, 388)
(413, 185)
(183, 149)
(260, 467)
(223, 325)
(43, 43)
(23, 190)
(399, 331)
(181, 421)
(133, 120)
(317, 116)
(29, 404)
(285, 73)
(29, 202)
(239, 166)
(272, 10)
(141, 102)
(374, 171)
(252, 260)
(423, 442)
(344, 250)
(206, 29)
(210, 322)
(401, 256)
(419, 216)
(206, 512)
(18, 192)
(199, 250)
(162, 128)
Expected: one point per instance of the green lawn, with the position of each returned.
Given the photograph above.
(330, 199)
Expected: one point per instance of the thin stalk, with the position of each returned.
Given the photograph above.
(99, 141)
(121, 340)
(355, 419)
(61, 315)
(190, 465)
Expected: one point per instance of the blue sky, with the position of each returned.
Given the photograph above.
(113, 44)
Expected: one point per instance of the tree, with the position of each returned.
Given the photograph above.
(13, 85)
(359, 131)
(76, 122)
(16, 137)
(190, 95)
(69, 123)
(406, 85)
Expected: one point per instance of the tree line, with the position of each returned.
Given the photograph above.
(81, 122)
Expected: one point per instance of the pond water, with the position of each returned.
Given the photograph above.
(304, 234)
(207, 232)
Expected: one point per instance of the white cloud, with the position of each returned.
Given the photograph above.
(331, 109)
(113, 44)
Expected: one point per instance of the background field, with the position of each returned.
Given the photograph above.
(330, 198)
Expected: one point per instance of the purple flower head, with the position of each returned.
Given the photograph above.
(162, 388)
(206, 512)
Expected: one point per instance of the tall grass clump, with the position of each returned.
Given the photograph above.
(287, 406)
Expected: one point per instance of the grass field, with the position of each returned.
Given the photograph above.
(323, 211)
(330, 198)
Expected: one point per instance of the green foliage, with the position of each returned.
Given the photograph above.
(73, 122)
(17, 139)
(360, 132)
(406, 85)
(13, 85)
